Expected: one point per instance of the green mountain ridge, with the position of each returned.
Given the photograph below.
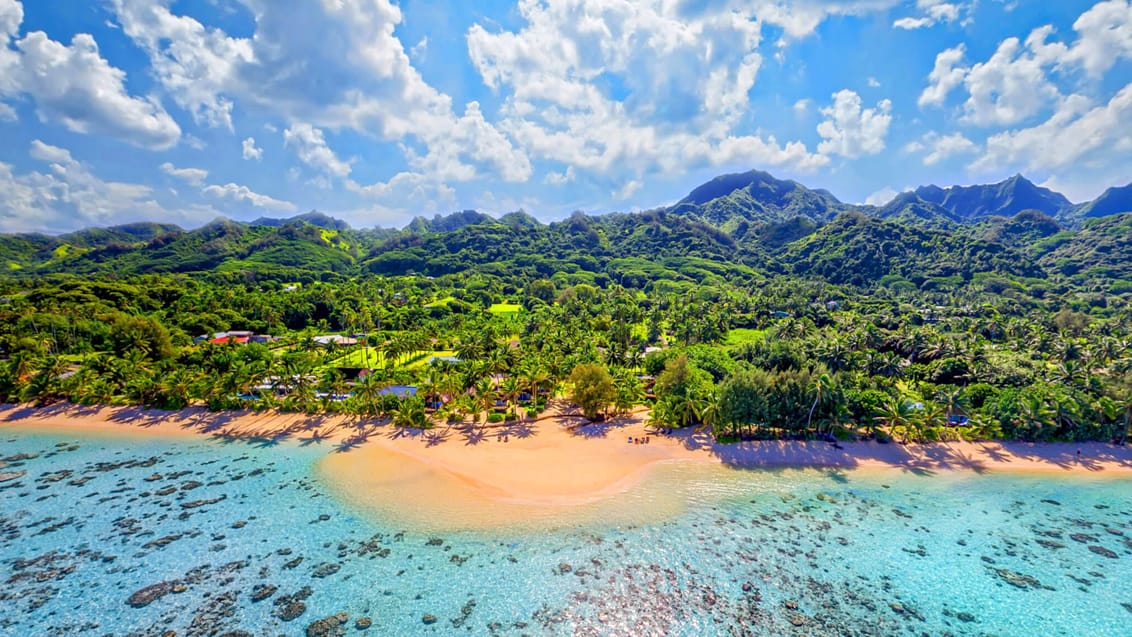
(746, 224)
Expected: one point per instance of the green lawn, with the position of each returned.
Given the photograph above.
(741, 335)
(505, 308)
(441, 302)
(372, 357)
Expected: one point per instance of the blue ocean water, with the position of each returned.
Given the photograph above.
(110, 536)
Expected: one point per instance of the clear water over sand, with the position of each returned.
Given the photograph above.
(695, 549)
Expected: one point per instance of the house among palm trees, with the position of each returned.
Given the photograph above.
(235, 336)
(336, 339)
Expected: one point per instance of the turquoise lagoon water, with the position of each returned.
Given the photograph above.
(207, 525)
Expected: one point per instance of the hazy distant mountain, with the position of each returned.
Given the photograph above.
(448, 223)
(1004, 199)
(314, 218)
(1111, 202)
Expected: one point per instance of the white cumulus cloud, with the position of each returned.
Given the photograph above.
(193, 176)
(73, 85)
(238, 192)
(250, 151)
(310, 146)
(67, 195)
(933, 12)
(851, 131)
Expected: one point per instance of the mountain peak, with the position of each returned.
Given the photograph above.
(755, 197)
(314, 218)
(1113, 201)
(1003, 199)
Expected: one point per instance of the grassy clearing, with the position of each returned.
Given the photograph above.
(742, 335)
(441, 302)
(505, 308)
(371, 357)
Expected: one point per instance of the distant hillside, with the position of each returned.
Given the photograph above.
(448, 223)
(1102, 249)
(861, 250)
(909, 208)
(746, 226)
(1023, 230)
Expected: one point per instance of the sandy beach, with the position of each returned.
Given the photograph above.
(536, 468)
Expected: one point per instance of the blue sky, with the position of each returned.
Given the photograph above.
(376, 111)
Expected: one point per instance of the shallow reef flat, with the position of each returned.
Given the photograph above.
(194, 537)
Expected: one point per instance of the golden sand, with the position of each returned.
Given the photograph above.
(540, 473)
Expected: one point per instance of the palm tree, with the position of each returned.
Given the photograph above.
(954, 401)
(708, 412)
(410, 413)
(510, 390)
(896, 416)
(486, 395)
(1034, 416)
(822, 388)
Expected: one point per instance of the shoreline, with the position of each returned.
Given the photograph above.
(532, 469)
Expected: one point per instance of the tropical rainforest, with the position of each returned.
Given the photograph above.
(754, 307)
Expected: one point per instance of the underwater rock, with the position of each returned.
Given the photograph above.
(161, 542)
(333, 626)
(211, 616)
(199, 503)
(263, 591)
(1102, 551)
(363, 623)
(465, 613)
(145, 596)
(325, 570)
(428, 619)
(291, 610)
(292, 606)
(1019, 580)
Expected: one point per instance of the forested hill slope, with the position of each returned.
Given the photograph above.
(746, 225)
(757, 198)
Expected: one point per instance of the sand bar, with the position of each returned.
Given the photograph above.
(491, 476)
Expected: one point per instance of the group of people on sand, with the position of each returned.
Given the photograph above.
(639, 440)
